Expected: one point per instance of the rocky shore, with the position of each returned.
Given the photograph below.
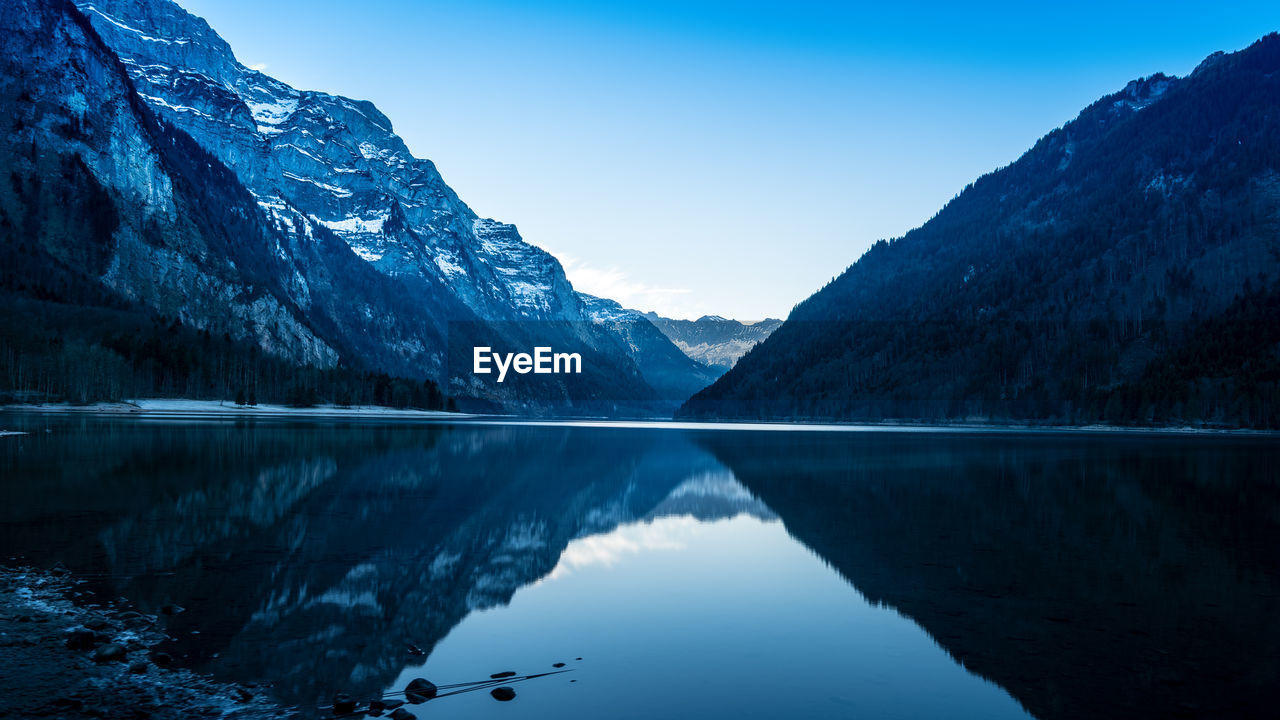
(62, 659)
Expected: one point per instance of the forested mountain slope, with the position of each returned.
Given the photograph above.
(1124, 270)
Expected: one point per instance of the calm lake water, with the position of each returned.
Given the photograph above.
(696, 573)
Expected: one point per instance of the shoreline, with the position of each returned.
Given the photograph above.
(883, 427)
(177, 409)
(217, 409)
(79, 660)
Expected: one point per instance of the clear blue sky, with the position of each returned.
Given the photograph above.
(724, 157)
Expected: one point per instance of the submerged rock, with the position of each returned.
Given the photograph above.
(138, 667)
(64, 704)
(503, 694)
(343, 704)
(96, 623)
(81, 639)
(111, 652)
(420, 690)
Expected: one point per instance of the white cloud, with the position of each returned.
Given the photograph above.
(615, 284)
(260, 67)
(608, 549)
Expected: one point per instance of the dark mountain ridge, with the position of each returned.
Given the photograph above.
(1078, 284)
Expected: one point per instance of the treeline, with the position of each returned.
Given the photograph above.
(1227, 372)
(53, 352)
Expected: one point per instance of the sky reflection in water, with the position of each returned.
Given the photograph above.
(684, 618)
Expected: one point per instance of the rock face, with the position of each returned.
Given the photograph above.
(712, 340)
(108, 201)
(317, 160)
(320, 166)
(1123, 270)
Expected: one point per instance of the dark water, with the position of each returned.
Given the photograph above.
(697, 573)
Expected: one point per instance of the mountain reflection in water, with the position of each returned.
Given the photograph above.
(1084, 576)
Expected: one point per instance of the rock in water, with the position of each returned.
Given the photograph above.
(402, 714)
(504, 674)
(557, 665)
(503, 694)
(111, 652)
(343, 704)
(81, 639)
(419, 690)
(138, 667)
(96, 623)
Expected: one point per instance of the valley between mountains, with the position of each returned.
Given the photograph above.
(176, 224)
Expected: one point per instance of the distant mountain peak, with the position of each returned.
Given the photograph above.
(714, 340)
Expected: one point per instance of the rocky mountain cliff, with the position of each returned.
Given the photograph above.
(332, 245)
(317, 160)
(715, 341)
(1123, 270)
(102, 200)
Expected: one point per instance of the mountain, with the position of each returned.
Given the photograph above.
(674, 375)
(119, 234)
(713, 340)
(107, 200)
(335, 247)
(1123, 270)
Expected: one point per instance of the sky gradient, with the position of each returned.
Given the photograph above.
(715, 157)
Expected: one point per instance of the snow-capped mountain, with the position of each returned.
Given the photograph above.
(223, 200)
(712, 340)
(314, 159)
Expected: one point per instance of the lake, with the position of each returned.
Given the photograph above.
(678, 571)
